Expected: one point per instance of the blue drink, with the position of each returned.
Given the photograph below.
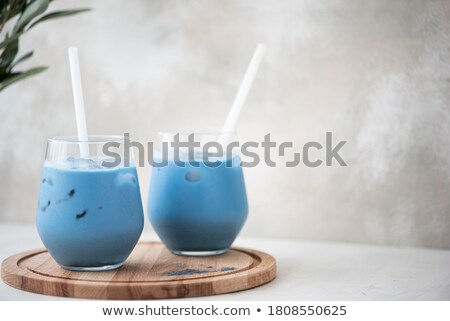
(89, 217)
(198, 210)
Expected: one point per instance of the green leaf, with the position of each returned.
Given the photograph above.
(12, 78)
(8, 55)
(21, 59)
(34, 9)
(10, 8)
(58, 14)
(9, 40)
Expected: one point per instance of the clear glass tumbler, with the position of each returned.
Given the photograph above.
(197, 203)
(89, 214)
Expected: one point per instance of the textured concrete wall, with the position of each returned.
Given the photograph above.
(375, 73)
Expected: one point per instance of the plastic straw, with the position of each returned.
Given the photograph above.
(242, 93)
(78, 101)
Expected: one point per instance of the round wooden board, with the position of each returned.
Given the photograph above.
(151, 272)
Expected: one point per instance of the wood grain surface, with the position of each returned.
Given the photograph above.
(151, 272)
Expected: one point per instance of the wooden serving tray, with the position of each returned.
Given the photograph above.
(151, 272)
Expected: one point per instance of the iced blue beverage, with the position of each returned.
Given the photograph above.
(198, 210)
(89, 216)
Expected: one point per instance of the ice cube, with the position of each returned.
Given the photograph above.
(192, 175)
(82, 163)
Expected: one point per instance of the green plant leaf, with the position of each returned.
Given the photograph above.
(12, 78)
(24, 14)
(7, 40)
(21, 59)
(8, 55)
(34, 9)
(10, 8)
(58, 14)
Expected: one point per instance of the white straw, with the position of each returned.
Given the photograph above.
(242, 93)
(78, 101)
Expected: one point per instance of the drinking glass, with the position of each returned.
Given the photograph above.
(197, 203)
(89, 214)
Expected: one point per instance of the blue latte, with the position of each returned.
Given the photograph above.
(88, 216)
(198, 210)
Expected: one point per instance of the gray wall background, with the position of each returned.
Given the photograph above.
(375, 73)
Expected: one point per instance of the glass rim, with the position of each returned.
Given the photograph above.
(92, 139)
(197, 132)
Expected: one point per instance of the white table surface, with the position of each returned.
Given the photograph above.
(305, 270)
